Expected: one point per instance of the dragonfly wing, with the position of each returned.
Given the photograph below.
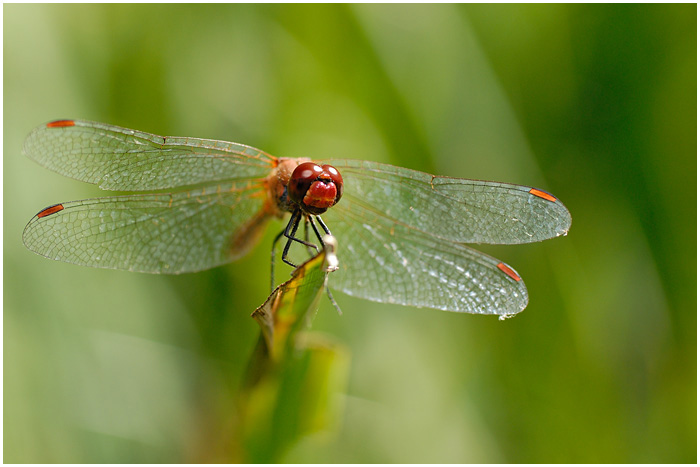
(120, 159)
(460, 210)
(160, 233)
(389, 262)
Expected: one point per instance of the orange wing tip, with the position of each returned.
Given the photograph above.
(60, 124)
(50, 210)
(542, 194)
(509, 272)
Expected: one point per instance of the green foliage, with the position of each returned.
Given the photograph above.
(295, 379)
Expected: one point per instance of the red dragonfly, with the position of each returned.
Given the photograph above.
(401, 233)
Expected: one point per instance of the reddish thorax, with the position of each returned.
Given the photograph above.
(278, 203)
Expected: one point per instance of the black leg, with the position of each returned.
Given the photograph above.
(318, 234)
(272, 262)
(290, 232)
(323, 226)
(307, 220)
(292, 225)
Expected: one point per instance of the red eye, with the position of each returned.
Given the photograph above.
(300, 181)
(336, 178)
(314, 188)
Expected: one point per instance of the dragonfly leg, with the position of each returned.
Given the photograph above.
(333, 302)
(323, 226)
(272, 260)
(318, 235)
(306, 234)
(290, 232)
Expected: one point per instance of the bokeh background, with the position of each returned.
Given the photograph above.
(596, 104)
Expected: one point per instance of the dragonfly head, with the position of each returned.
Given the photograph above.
(315, 188)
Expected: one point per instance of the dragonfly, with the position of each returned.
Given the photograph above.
(194, 204)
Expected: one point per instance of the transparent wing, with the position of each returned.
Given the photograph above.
(120, 159)
(389, 262)
(461, 210)
(161, 233)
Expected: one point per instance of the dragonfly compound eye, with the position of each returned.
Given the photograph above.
(315, 188)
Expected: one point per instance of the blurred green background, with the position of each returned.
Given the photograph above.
(596, 104)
